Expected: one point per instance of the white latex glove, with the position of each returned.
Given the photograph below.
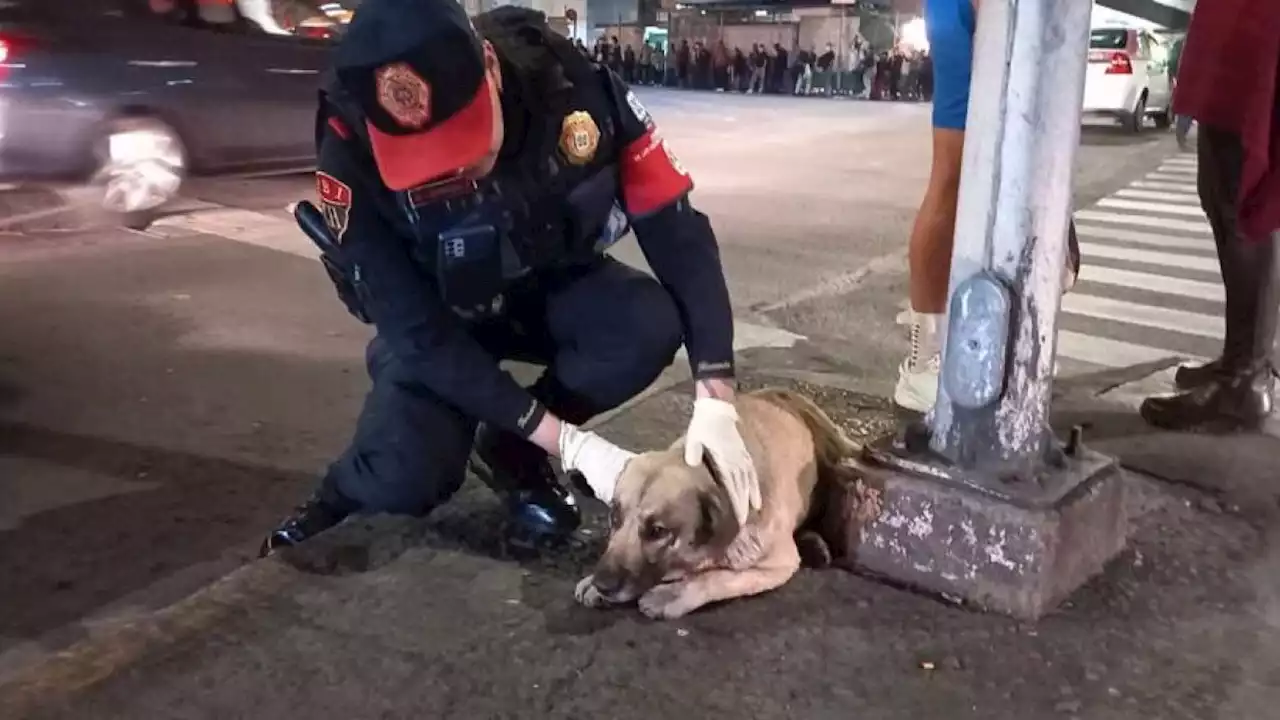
(600, 461)
(714, 429)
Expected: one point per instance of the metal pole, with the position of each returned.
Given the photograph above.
(1010, 238)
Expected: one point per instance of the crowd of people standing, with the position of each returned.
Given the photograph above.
(901, 73)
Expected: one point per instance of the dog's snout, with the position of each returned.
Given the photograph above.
(608, 583)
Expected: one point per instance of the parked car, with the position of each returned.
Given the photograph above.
(1128, 77)
(134, 96)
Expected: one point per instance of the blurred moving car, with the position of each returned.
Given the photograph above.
(134, 96)
(1128, 77)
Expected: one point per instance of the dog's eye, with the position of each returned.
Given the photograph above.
(655, 532)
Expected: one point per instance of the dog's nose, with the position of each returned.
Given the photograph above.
(608, 583)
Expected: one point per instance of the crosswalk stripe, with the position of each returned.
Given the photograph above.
(1189, 188)
(1154, 207)
(1201, 227)
(1150, 257)
(1160, 318)
(1163, 284)
(1180, 169)
(1182, 160)
(1111, 353)
(1169, 177)
(1181, 198)
(1178, 242)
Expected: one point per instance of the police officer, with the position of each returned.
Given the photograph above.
(470, 179)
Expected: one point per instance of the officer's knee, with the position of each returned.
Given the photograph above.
(656, 328)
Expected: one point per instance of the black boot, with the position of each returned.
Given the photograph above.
(308, 520)
(1227, 402)
(541, 509)
(1188, 377)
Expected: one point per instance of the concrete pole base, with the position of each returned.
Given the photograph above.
(1020, 552)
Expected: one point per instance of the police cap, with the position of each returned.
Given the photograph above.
(416, 68)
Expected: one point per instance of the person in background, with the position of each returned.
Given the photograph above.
(629, 65)
(1238, 148)
(826, 66)
(645, 76)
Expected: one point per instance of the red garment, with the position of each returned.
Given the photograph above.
(1228, 79)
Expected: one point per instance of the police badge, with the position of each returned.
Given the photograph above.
(579, 137)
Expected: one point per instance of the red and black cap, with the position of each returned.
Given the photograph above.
(416, 67)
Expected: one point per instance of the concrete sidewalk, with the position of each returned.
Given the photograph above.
(389, 618)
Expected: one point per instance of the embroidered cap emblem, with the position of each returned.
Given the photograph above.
(404, 95)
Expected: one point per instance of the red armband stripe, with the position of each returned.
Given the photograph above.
(652, 178)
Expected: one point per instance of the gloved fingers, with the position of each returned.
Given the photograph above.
(692, 452)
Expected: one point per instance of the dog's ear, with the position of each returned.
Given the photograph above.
(717, 525)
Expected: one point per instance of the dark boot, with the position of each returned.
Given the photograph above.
(1234, 392)
(1232, 402)
(541, 508)
(308, 520)
(1188, 377)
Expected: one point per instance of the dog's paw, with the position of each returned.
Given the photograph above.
(587, 595)
(666, 602)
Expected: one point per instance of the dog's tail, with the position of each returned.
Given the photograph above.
(829, 440)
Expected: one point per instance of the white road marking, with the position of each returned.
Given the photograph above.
(1154, 207)
(1150, 257)
(1091, 272)
(1142, 238)
(1161, 223)
(1178, 168)
(1179, 321)
(1110, 353)
(1188, 188)
(1177, 198)
(1170, 177)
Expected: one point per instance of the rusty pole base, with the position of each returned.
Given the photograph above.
(1018, 548)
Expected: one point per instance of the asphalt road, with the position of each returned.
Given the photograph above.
(165, 396)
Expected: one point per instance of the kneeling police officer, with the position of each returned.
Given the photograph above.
(470, 179)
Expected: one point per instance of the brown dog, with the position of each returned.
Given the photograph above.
(674, 543)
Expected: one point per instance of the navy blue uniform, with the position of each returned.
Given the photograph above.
(458, 275)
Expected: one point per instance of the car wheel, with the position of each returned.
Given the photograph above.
(1164, 119)
(141, 166)
(1138, 117)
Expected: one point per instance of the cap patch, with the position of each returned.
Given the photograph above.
(404, 95)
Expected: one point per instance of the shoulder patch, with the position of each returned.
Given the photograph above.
(637, 108)
(335, 203)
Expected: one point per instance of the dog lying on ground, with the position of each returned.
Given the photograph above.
(674, 543)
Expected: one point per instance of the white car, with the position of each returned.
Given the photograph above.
(1128, 77)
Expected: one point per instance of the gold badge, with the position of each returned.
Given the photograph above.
(404, 94)
(579, 137)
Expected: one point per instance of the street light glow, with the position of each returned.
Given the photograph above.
(914, 34)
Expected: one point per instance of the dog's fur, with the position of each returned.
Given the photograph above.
(674, 543)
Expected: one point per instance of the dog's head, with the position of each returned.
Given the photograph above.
(666, 520)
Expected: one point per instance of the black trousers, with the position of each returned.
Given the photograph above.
(604, 334)
(1250, 274)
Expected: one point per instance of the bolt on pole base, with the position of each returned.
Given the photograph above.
(1019, 548)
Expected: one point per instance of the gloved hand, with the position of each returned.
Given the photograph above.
(600, 461)
(714, 429)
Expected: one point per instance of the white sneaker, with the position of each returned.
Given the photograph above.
(917, 387)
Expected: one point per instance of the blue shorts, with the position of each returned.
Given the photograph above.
(950, 25)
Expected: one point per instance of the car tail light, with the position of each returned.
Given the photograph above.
(6, 49)
(12, 46)
(1120, 64)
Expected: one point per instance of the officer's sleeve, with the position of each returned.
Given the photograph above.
(677, 240)
(420, 331)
